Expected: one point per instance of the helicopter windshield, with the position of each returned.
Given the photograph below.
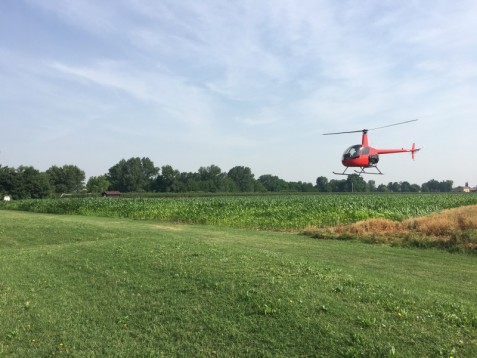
(352, 152)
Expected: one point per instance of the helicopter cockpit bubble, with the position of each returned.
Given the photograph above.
(352, 152)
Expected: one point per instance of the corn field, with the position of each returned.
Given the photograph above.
(282, 212)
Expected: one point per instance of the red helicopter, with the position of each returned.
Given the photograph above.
(363, 156)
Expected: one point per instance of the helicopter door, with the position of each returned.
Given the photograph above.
(352, 152)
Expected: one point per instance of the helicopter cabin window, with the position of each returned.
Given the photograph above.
(365, 151)
(352, 152)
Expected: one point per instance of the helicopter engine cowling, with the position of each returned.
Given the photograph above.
(373, 159)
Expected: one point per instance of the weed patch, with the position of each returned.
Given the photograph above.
(454, 230)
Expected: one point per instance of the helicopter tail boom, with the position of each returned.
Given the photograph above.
(413, 150)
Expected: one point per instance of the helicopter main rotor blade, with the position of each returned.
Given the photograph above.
(395, 124)
(361, 130)
(366, 130)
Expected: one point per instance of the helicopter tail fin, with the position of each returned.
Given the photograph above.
(414, 150)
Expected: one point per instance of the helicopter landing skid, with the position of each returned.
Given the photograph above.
(364, 172)
(344, 172)
(359, 172)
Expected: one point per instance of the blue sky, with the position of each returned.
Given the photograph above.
(252, 83)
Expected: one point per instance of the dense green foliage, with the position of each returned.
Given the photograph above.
(141, 175)
(24, 183)
(264, 212)
(28, 182)
(134, 174)
(98, 184)
(66, 179)
(87, 287)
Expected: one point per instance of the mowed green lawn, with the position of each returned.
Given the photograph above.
(86, 286)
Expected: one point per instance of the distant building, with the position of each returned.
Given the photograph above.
(465, 189)
(7, 198)
(110, 194)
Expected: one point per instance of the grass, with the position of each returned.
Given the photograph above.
(451, 229)
(87, 286)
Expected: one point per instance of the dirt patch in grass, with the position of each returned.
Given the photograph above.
(452, 229)
(167, 227)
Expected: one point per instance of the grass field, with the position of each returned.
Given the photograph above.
(90, 286)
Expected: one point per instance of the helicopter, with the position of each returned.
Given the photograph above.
(363, 156)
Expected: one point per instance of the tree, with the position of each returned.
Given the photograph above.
(8, 180)
(66, 179)
(371, 185)
(211, 179)
(435, 186)
(133, 175)
(258, 187)
(273, 183)
(322, 184)
(355, 183)
(97, 184)
(25, 183)
(394, 187)
(338, 185)
(405, 187)
(190, 181)
(300, 186)
(431, 186)
(243, 178)
(38, 184)
(169, 180)
(446, 186)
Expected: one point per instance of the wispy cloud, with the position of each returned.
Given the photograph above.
(85, 15)
(172, 94)
(252, 77)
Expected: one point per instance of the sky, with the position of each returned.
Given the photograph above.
(240, 83)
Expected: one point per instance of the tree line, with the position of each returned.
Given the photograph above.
(141, 175)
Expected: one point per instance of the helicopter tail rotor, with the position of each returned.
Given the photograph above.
(414, 150)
